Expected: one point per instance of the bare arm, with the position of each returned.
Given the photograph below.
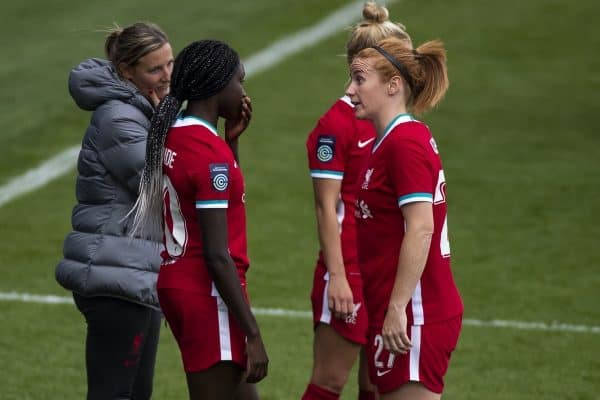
(413, 257)
(339, 294)
(213, 224)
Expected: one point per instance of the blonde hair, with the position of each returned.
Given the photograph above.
(125, 46)
(375, 27)
(427, 82)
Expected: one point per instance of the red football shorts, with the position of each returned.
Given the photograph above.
(427, 361)
(203, 328)
(354, 327)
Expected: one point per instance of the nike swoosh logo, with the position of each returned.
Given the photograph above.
(382, 373)
(366, 142)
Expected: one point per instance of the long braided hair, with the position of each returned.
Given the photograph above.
(201, 70)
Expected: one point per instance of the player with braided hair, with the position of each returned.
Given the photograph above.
(193, 187)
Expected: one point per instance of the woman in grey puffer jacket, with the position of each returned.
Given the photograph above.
(112, 276)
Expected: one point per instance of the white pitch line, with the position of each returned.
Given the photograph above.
(47, 171)
(298, 314)
(273, 54)
(533, 326)
(35, 298)
(284, 48)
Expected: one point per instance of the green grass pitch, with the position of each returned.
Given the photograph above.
(518, 134)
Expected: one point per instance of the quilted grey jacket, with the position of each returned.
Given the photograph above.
(99, 258)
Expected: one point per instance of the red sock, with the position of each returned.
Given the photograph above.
(366, 395)
(314, 392)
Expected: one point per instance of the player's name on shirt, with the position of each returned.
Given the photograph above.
(169, 157)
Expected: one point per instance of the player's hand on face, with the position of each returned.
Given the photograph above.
(394, 331)
(339, 297)
(258, 362)
(234, 128)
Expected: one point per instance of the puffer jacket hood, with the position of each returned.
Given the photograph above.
(95, 81)
(100, 259)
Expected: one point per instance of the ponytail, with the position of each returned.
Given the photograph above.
(433, 82)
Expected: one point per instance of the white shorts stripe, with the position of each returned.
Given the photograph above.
(415, 353)
(417, 306)
(325, 312)
(224, 332)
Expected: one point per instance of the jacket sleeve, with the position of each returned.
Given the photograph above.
(122, 144)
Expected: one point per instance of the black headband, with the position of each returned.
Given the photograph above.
(401, 68)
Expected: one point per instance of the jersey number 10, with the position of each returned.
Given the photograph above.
(176, 234)
(439, 198)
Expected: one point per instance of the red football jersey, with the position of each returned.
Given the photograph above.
(404, 167)
(337, 149)
(199, 171)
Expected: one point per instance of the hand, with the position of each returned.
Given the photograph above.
(339, 297)
(258, 361)
(395, 337)
(153, 97)
(234, 128)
